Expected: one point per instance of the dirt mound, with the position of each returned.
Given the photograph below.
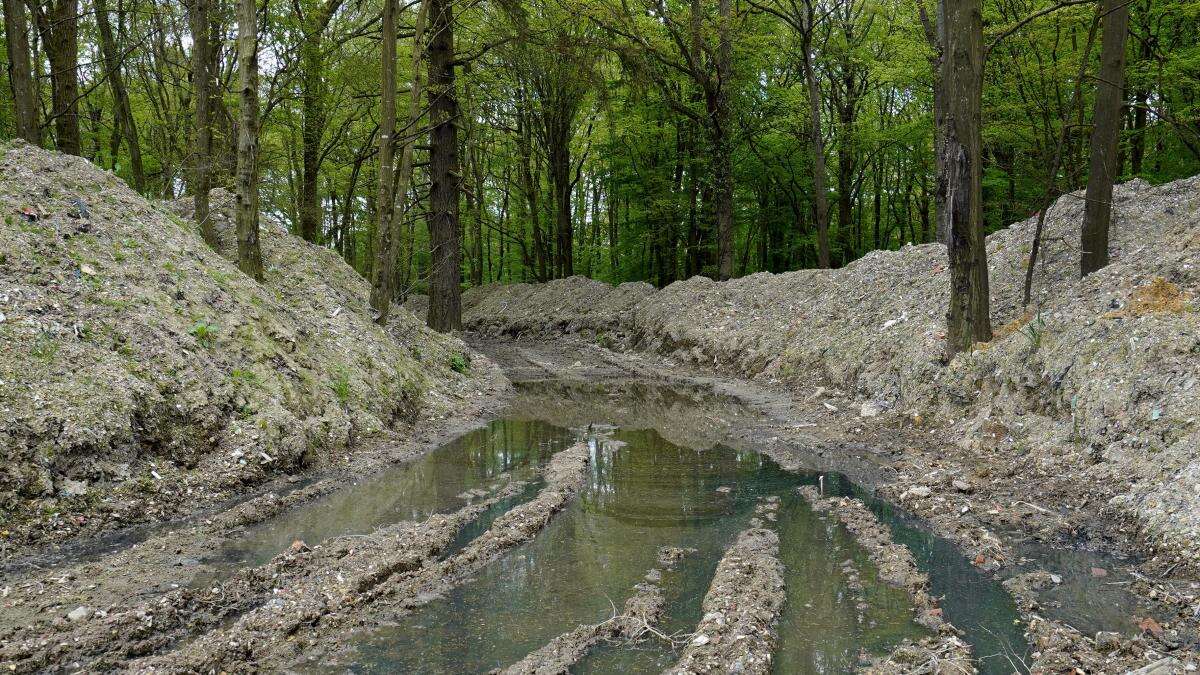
(143, 375)
(1093, 387)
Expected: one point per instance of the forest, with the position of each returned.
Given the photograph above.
(439, 144)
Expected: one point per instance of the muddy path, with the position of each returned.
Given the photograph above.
(590, 528)
(1092, 578)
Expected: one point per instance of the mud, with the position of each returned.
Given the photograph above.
(741, 609)
(400, 568)
(982, 502)
(945, 652)
(641, 611)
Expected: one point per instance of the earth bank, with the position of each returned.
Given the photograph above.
(1089, 394)
(143, 377)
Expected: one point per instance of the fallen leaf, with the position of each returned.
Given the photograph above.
(1149, 625)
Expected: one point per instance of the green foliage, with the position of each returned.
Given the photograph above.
(1033, 332)
(341, 386)
(204, 332)
(459, 363)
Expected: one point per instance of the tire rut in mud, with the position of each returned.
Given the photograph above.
(402, 568)
(945, 651)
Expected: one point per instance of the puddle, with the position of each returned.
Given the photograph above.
(1093, 594)
(643, 493)
(483, 460)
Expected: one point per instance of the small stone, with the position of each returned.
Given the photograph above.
(1108, 641)
(700, 640)
(724, 489)
(73, 488)
(869, 409)
(80, 613)
(919, 492)
(963, 486)
(1056, 578)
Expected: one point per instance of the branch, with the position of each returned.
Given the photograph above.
(1029, 19)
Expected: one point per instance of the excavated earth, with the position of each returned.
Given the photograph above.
(1076, 425)
(156, 404)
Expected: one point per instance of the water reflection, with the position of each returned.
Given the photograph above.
(483, 460)
(642, 493)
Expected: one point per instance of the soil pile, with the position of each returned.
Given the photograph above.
(142, 375)
(1092, 389)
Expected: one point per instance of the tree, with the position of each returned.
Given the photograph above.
(249, 251)
(113, 64)
(960, 174)
(58, 24)
(802, 18)
(445, 234)
(1104, 168)
(314, 22)
(202, 84)
(20, 73)
(388, 234)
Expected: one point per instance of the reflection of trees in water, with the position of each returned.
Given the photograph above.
(648, 480)
(414, 490)
(688, 415)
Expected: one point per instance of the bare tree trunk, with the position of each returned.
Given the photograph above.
(1104, 168)
(559, 156)
(249, 252)
(1052, 176)
(202, 118)
(960, 176)
(58, 23)
(20, 72)
(445, 234)
(113, 64)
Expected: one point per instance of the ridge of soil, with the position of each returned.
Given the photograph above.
(945, 651)
(641, 611)
(741, 609)
(144, 378)
(1089, 395)
(315, 611)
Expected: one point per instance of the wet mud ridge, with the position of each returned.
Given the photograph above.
(641, 611)
(251, 617)
(337, 594)
(741, 609)
(945, 651)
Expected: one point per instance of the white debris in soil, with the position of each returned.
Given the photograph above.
(1094, 387)
(135, 358)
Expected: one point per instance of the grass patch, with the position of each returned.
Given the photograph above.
(204, 332)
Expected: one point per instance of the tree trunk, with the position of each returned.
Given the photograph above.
(960, 176)
(445, 302)
(559, 155)
(202, 118)
(249, 252)
(58, 23)
(312, 129)
(1103, 168)
(313, 115)
(817, 142)
(723, 160)
(124, 114)
(391, 233)
(20, 71)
